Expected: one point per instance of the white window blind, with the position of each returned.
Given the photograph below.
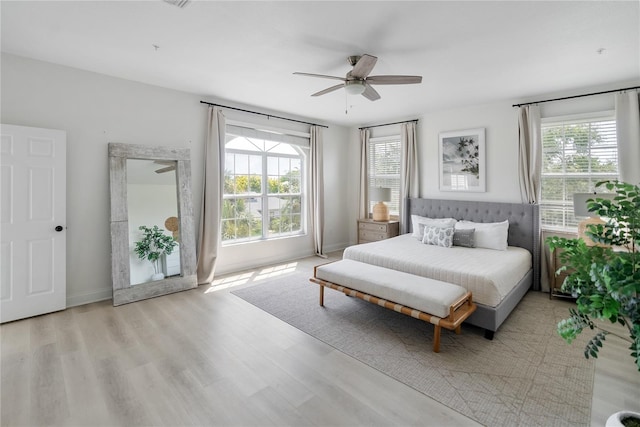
(577, 154)
(384, 169)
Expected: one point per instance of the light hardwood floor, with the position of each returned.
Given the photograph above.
(206, 357)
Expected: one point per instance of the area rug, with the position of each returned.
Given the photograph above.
(525, 376)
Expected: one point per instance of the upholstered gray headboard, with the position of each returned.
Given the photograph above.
(524, 224)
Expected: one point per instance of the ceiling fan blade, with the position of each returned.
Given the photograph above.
(329, 89)
(364, 66)
(370, 93)
(394, 80)
(167, 169)
(320, 75)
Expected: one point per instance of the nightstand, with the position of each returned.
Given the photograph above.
(555, 282)
(372, 231)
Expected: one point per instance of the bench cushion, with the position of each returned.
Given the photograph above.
(427, 295)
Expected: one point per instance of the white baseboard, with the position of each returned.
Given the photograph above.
(336, 247)
(75, 300)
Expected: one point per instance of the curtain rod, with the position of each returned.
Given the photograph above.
(576, 96)
(263, 114)
(387, 124)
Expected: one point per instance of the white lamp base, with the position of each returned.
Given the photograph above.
(380, 212)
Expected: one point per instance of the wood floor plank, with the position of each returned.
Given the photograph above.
(122, 399)
(15, 390)
(149, 382)
(68, 335)
(277, 408)
(47, 389)
(84, 393)
(15, 337)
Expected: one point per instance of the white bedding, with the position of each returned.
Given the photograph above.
(489, 274)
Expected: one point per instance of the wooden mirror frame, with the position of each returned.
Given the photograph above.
(123, 291)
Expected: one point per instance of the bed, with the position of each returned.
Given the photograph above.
(497, 279)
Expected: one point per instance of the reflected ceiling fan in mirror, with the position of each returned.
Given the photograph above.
(169, 166)
(358, 82)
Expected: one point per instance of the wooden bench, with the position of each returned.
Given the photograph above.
(445, 305)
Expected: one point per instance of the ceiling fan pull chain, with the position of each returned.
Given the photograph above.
(346, 109)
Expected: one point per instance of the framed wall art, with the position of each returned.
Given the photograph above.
(462, 160)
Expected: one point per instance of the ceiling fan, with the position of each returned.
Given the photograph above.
(358, 82)
(169, 165)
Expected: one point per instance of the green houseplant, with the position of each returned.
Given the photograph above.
(153, 245)
(605, 280)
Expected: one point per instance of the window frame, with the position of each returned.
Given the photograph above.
(566, 206)
(279, 136)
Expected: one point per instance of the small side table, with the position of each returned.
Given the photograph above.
(372, 231)
(555, 282)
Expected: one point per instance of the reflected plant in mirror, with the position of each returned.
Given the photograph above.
(153, 245)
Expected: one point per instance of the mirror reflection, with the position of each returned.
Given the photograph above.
(151, 188)
(153, 220)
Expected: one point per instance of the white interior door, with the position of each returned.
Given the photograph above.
(33, 221)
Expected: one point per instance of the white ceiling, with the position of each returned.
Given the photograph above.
(245, 52)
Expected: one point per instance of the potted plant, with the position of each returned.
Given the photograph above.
(154, 244)
(605, 279)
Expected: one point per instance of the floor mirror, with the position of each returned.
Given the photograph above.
(152, 225)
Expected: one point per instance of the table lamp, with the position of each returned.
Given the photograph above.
(380, 195)
(581, 210)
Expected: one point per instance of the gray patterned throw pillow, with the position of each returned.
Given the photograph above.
(438, 236)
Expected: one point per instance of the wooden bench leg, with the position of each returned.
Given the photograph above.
(321, 296)
(459, 329)
(436, 338)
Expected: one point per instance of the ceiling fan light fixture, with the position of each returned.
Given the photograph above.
(354, 87)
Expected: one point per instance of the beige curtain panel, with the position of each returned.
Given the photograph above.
(317, 190)
(530, 169)
(363, 194)
(410, 182)
(628, 135)
(530, 153)
(212, 191)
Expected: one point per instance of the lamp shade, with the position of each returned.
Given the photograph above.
(580, 208)
(380, 194)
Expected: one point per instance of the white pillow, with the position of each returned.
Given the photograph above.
(490, 235)
(418, 231)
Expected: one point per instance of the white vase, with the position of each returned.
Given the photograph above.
(614, 419)
(157, 276)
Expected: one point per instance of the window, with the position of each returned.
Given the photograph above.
(384, 169)
(576, 154)
(263, 186)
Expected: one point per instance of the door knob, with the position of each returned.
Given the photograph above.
(58, 228)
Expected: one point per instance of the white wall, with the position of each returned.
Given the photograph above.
(501, 150)
(501, 131)
(501, 134)
(96, 109)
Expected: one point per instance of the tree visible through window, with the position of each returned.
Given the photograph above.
(576, 154)
(262, 190)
